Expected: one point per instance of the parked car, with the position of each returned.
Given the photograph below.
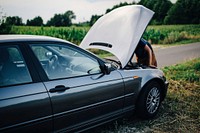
(51, 85)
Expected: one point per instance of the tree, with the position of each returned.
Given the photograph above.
(37, 21)
(160, 7)
(62, 19)
(184, 12)
(119, 5)
(2, 16)
(15, 20)
(148, 3)
(4, 28)
(94, 18)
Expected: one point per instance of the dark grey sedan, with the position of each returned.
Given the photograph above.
(51, 85)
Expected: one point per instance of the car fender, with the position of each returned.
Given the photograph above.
(146, 76)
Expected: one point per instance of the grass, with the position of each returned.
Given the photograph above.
(172, 34)
(189, 72)
(183, 42)
(180, 111)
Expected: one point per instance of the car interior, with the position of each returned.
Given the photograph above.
(12, 71)
(56, 64)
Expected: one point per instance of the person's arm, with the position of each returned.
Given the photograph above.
(146, 47)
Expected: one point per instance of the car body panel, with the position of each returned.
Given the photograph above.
(119, 31)
(29, 38)
(26, 106)
(87, 98)
(145, 74)
(132, 85)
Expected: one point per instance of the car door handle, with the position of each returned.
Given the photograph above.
(58, 88)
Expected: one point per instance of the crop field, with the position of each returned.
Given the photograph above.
(72, 34)
(180, 111)
(161, 34)
(171, 34)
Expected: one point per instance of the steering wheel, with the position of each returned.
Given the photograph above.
(53, 62)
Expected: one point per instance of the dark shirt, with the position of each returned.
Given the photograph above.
(140, 51)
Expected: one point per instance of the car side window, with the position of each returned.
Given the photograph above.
(61, 61)
(13, 69)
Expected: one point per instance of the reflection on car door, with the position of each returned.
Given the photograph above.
(87, 99)
(80, 93)
(24, 105)
(25, 108)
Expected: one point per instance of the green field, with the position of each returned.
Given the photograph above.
(72, 34)
(171, 34)
(161, 34)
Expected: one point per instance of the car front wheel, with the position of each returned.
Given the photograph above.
(149, 101)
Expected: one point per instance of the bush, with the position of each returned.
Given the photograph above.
(5, 28)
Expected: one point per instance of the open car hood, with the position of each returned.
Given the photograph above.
(119, 31)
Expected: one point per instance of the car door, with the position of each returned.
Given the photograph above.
(24, 102)
(81, 94)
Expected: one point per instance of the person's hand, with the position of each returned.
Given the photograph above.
(152, 66)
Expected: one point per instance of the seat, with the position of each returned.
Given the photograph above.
(8, 70)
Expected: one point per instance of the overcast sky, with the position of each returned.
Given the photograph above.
(83, 9)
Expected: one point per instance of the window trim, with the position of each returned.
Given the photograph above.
(18, 47)
(40, 69)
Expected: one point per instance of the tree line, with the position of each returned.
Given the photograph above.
(182, 12)
(64, 19)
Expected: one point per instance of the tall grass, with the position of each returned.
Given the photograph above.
(189, 72)
(159, 34)
(168, 34)
(182, 105)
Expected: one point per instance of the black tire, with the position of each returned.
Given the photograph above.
(149, 101)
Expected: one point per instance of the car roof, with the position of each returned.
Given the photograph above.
(32, 38)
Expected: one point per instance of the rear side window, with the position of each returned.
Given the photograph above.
(13, 69)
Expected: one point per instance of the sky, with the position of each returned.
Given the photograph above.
(83, 9)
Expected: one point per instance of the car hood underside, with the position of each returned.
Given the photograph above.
(119, 31)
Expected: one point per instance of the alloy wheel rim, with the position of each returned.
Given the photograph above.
(153, 100)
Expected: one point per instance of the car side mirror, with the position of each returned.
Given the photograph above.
(107, 68)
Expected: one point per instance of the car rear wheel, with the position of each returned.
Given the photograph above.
(149, 101)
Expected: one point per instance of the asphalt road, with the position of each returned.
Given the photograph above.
(176, 54)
